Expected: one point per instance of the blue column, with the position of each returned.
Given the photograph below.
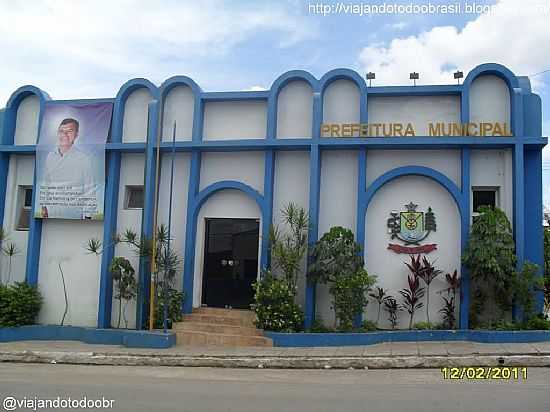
(534, 232)
(361, 211)
(464, 233)
(267, 213)
(147, 222)
(191, 231)
(519, 213)
(6, 139)
(109, 229)
(314, 193)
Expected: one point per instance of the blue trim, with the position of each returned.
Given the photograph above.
(128, 338)
(371, 338)
(147, 220)
(191, 231)
(109, 230)
(465, 188)
(267, 218)
(534, 236)
(313, 233)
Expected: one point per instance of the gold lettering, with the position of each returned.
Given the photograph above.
(474, 126)
(325, 129)
(377, 127)
(364, 129)
(458, 129)
(398, 129)
(409, 131)
(334, 130)
(346, 130)
(387, 133)
(498, 130)
(434, 130)
(487, 129)
(355, 127)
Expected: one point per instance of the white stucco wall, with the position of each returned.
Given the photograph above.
(63, 242)
(179, 202)
(245, 167)
(227, 204)
(417, 110)
(20, 173)
(26, 126)
(444, 161)
(295, 110)
(493, 168)
(489, 100)
(291, 184)
(131, 174)
(338, 207)
(235, 120)
(388, 265)
(341, 102)
(179, 108)
(134, 128)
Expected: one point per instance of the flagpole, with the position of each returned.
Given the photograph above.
(165, 322)
(152, 293)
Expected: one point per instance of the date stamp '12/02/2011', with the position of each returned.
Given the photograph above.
(485, 373)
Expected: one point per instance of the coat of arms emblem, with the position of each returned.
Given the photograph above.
(411, 227)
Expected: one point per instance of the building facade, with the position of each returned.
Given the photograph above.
(404, 167)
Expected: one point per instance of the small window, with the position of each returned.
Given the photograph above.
(484, 197)
(24, 208)
(134, 197)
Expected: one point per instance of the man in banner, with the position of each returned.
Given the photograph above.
(68, 177)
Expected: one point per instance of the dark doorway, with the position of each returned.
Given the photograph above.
(230, 262)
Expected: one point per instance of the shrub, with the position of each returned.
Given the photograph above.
(490, 258)
(319, 327)
(274, 305)
(369, 326)
(175, 301)
(336, 261)
(19, 304)
(538, 322)
(412, 296)
(424, 326)
(349, 296)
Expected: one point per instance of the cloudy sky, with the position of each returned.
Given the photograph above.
(79, 49)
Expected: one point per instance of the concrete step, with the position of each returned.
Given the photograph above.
(217, 328)
(220, 339)
(226, 313)
(219, 320)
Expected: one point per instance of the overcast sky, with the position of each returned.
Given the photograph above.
(83, 49)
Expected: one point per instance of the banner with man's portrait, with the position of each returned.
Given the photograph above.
(70, 161)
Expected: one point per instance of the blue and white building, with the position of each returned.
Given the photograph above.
(241, 156)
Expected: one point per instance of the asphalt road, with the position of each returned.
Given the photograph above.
(205, 389)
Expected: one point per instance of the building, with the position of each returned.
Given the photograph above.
(241, 156)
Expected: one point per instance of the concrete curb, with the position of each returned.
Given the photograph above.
(275, 362)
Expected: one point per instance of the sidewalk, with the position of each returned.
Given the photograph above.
(380, 356)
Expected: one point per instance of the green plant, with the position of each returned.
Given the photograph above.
(524, 285)
(175, 301)
(336, 261)
(288, 248)
(412, 296)
(274, 305)
(319, 327)
(349, 296)
(19, 304)
(123, 275)
(424, 326)
(393, 309)
(490, 259)
(380, 296)
(166, 260)
(369, 326)
(538, 322)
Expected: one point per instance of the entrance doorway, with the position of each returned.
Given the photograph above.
(230, 262)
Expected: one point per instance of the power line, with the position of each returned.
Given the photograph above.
(542, 72)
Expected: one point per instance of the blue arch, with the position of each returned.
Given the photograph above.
(227, 184)
(273, 99)
(428, 172)
(492, 69)
(346, 74)
(24, 91)
(120, 103)
(191, 234)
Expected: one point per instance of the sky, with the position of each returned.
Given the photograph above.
(88, 49)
